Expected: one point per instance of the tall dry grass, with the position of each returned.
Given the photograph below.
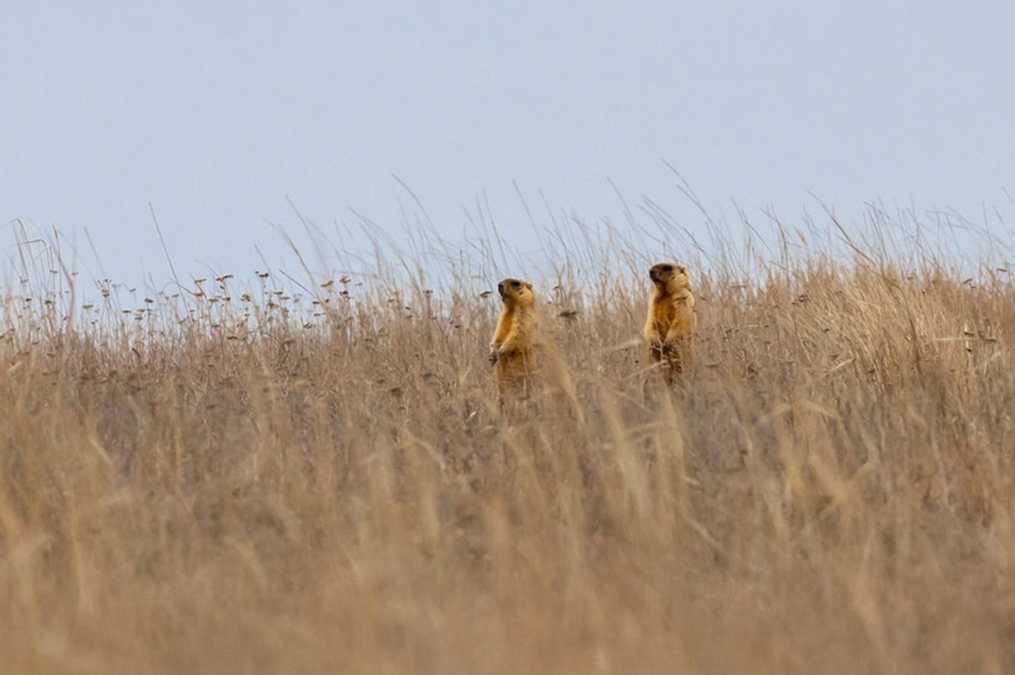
(232, 478)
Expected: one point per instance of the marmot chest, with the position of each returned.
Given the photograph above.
(664, 314)
(670, 312)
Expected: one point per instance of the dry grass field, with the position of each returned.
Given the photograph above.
(248, 476)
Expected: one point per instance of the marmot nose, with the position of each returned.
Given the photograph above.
(500, 288)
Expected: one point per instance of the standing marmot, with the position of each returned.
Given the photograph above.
(514, 345)
(671, 319)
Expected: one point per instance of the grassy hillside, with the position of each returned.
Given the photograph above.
(247, 476)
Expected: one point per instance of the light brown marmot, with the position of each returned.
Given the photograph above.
(515, 345)
(671, 319)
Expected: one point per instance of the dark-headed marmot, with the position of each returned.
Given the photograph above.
(514, 347)
(671, 319)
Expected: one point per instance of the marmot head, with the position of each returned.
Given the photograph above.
(669, 276)
(516, 292)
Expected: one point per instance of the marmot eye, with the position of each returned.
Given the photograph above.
(667, 268)
(516, 284)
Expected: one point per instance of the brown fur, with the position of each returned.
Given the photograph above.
(514, 347)
(671, 321)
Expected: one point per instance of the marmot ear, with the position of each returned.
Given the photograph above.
(528, 285)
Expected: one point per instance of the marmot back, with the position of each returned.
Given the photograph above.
(671, 321)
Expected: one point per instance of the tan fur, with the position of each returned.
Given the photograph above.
(671, 319)
(515, 343)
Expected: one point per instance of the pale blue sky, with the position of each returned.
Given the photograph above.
(217, 111)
